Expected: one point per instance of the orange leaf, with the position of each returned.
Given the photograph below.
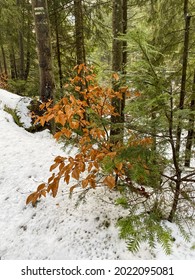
(80, 68)
(76, 174)
(96, 165)
(59, 159)
(54, 187)
(67, 179)
(72, 188)
(58, 135)
(111, 154)
(85, 182)
(51, 178)
(41, 187)
(42, 106)
(62, 119)
(115, 76)
(82, 166)
(77, 88)
(109, 181)
(49, 117)
(30, 198)
(74, 124)
(43, 192)
(53, 166)
(119, 166)
(100, 156)
(42, 121)
(67, 132)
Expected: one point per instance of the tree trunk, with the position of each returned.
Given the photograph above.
(20, 41)
(21, 51)
(14, 74)
(176, 157)
(28, 53)
(80, 46)
(124, 56)
(58, 48)
(184, 74)
(80, 43)
(190, 136)
(117, 66)
(40, 11)
(4, 60)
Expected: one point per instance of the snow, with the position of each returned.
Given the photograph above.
(57, 229)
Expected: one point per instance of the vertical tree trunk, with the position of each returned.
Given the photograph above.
(4, 60)
(181, 107)
(40, 11)
(79, 40)
(117, 66)
(58, 48)
(21, 51)
(80, 46)
(28, 53)
(184, 74)
(14, 73)
(190, 136)
(124, 55)
(20, 41)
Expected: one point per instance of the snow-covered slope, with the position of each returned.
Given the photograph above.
(56, 229)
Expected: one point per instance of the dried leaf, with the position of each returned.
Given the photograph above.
(115, 76)
(41, 187)
(42, 121)
(85, 183)
(30, 198)
(76, 174)
(51, 178)
(109, 181)
(67, 179)
(119, 166)
(73, 187)
(53, 166)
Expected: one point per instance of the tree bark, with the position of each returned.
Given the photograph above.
(40, 11)
(124, 56)
(184, 74)
(176, 158)
(190, 136)
(4, 60)
(58, 48)
(80, 46)
(13, 68)
(117, 66)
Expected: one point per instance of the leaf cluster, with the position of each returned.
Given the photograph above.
(99, 160)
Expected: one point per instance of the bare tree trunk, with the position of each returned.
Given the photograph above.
(40, 11)
(28, 54)
(58, 48)
(80, 46)
(190, 136)
(176, 149)
(117, 66)
(124, 56)
(4, 60)
(14, 73)
(80, 42)
(21, 50)
(184, 74)
(20, 41)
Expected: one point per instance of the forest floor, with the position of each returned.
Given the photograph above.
(56, 228)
